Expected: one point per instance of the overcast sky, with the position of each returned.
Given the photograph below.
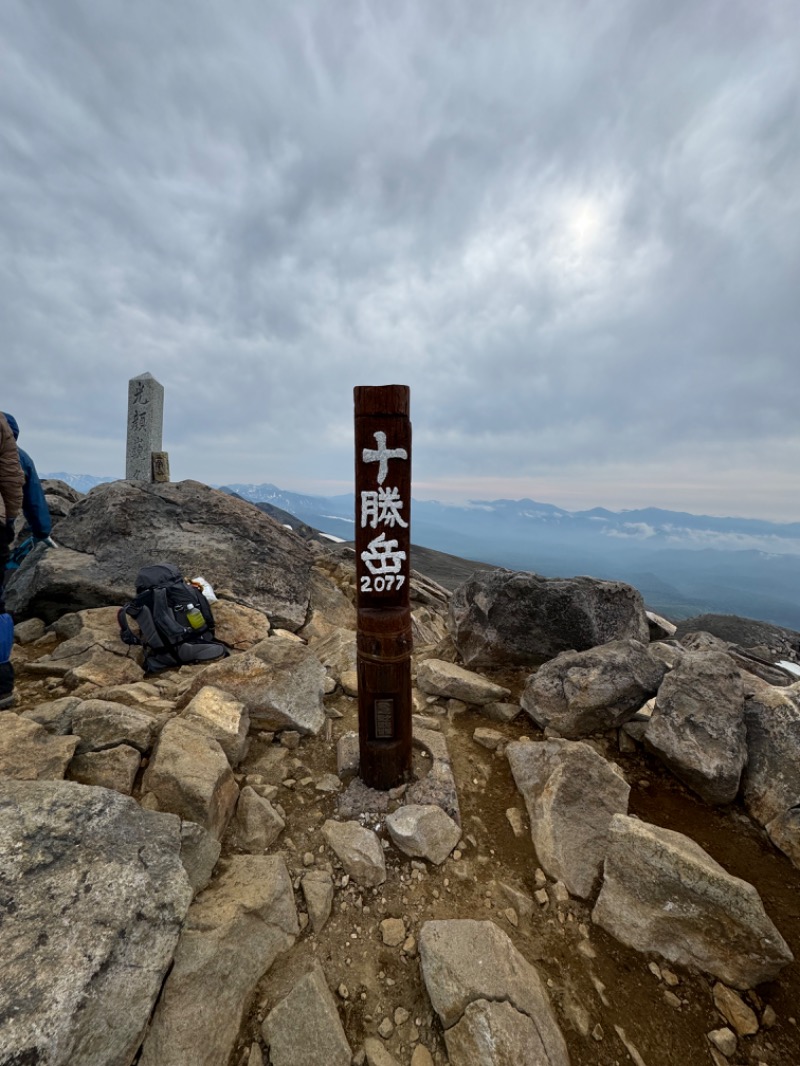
(572, 227)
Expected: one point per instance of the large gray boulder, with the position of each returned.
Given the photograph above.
(663, 894)
(235, 930)
(280, 681)
(583, 692)
(504, 993)
(115, 768)
(124, 525)
(92, 656)
(503, 618)
(189, 775)
(771, 780)
(697, 727)
(102, 724)
(93, 899)
(572, 794)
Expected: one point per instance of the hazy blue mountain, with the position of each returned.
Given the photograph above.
(79, 482)
(683, 564)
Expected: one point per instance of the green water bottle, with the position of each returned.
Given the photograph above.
(194, 616)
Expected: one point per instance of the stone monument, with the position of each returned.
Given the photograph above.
(145, 421)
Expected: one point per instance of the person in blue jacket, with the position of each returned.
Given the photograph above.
(34, 505)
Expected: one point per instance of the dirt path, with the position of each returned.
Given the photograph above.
(596, 984)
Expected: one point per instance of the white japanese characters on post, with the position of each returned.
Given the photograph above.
(381, 507)
(383, 504)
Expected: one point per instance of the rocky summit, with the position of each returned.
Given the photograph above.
(596, 862)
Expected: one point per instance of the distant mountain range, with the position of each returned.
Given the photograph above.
(79, 482)
(683, 564)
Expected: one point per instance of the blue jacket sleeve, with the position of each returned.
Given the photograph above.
(34, 505)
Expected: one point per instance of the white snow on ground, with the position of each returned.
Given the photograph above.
(330, 536)
(793, 668)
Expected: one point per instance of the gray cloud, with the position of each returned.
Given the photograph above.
(570, 227)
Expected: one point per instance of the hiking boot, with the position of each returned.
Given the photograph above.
(7, 701)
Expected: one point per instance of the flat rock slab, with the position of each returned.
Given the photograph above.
(438, 787)
(571, 793)
(663, 894)
(584, 692)
(113, 768)
(304, 1029)
(55, 715)
(104, 724)
(29, 753)
(358, 850)
(235, 930)
(438, 677)
(280, 681)
(448, 954)
(94, 896)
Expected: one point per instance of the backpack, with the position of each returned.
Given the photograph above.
(170, 630)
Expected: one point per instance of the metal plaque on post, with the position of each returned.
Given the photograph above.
(383, 550)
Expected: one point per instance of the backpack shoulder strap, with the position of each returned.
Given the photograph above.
(126, 633)
(164, 618)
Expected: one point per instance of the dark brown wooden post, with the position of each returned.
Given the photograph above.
(383, 550)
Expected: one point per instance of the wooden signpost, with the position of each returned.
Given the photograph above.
(383, 549)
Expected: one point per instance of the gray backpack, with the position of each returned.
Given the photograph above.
(174, 620)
